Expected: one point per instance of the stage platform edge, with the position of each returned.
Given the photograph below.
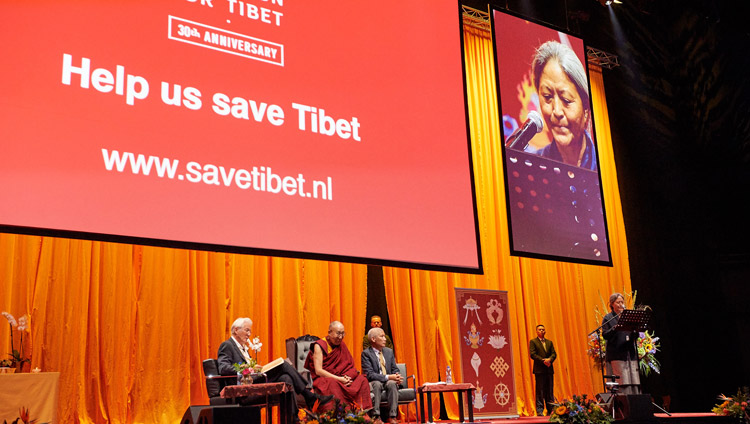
(675, 418)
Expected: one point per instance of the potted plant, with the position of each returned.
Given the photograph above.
(16, 357)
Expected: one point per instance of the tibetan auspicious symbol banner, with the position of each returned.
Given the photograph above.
(486, 350)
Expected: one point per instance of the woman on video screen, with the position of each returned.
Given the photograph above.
(560, 81)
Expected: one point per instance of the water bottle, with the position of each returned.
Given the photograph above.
(448, 375)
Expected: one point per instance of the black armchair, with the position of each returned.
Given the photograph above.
(216, 382)
(297, 350)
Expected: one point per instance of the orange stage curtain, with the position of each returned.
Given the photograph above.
(128, 326)
(561, 296)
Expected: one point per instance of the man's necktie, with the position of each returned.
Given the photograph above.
(382, 363)
(246, 354)
(544, 345)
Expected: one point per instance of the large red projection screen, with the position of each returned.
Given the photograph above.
(305, 128)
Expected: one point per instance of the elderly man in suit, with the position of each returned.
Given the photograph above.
(379, 366)
(235, 350)
(543, 353)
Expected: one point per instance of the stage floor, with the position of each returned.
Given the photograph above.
(675, 418)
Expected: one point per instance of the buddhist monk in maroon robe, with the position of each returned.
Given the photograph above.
(332, 368)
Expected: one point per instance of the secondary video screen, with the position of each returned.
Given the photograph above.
(291, 128)
(552, 181)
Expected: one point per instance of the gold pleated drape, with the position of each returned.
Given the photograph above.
(128, 326)
(562, 296)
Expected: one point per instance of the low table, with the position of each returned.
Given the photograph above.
(460, 389)
(274, 394)
(38, 392)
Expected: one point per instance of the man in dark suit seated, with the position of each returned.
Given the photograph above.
(235, 350)
(379, 366)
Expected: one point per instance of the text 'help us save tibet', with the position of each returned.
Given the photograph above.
(133, 87)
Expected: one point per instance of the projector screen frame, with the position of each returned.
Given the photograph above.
(292, 253)
(508, 195)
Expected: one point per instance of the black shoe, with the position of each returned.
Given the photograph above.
(322, 400)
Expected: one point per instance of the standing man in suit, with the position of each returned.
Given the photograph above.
(379, 366)
(235, 350)
(543, 353)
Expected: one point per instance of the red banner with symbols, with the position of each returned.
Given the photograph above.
(486, 351)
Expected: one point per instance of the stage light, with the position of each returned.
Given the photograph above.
(606, 3)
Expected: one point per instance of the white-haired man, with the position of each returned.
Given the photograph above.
(235, 350)
(379, 366)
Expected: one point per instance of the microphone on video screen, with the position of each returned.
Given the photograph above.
(520, 139)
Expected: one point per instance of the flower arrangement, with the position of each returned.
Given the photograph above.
(244, 370)
(246, 367)
(339, 414)
(581, 410)
(735, 406)
(597, 348)
(21, 325)
(647, 344)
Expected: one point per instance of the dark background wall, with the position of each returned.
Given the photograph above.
(679, 106)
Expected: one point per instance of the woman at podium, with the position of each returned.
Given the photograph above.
(621, 357)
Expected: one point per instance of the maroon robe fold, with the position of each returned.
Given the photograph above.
(338, 361)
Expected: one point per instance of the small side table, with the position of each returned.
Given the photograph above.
(460, 389)
(274, 393)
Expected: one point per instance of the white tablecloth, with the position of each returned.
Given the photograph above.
(38, 392)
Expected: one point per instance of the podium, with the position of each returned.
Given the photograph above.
(637, 407)
(633, 320)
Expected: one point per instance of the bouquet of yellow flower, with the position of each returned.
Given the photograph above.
(579, 410)
(735, 406)
(647, 345)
